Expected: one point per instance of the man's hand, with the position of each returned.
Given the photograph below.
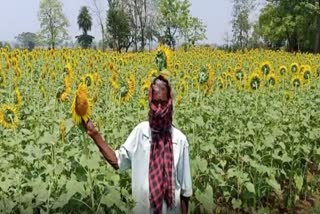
(92, 131)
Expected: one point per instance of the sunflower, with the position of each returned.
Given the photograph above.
(88, 79)
(220, 83)
(255, 81)
(9, 117)
(318, 72)
(127, 87)
(203, 75)
(283, 70)
(239, 74)
(164, 58)
(294, 67)
(146, 85)
(152, 73)
(3, 79)
(81, 105)
(272, 80)
(68, 69)
(306, 72)
(297, 81)
(266, 68)
(18, 98)
(114, 80)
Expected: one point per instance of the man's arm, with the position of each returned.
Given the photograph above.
(104, 148)
(184, 204)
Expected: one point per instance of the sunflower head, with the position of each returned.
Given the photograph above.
(239, 74)
(255, 81)
(296, 81)
(306, 72)
(88, 80)
(164, 58)
(294, 67)
(283, 70)
(9, 117)
(203, 75)
(266, 68)
(81, 105)
(272, 80)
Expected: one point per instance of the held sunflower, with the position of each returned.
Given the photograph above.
(81, 106)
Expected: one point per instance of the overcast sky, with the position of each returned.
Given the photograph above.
(19, 16)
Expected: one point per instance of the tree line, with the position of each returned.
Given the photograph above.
(124, 24)
(292, 25)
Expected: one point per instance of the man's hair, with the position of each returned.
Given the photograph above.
(161, 81)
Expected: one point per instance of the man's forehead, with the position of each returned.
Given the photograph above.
(159, 85)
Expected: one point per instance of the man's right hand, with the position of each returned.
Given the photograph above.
(92, 131)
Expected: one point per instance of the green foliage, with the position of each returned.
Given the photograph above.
(291, 22)
(118, 28)
(84, 20)
(53, 22)
(85, 23)
(176, 18)
(28, 40)
(240, 22)
(85, 40)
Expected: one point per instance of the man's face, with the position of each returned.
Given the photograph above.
(160, 95)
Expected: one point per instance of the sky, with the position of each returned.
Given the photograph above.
(19, 16)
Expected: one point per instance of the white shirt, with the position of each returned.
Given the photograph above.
(134, 154)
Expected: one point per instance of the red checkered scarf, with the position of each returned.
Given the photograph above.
(161, 180)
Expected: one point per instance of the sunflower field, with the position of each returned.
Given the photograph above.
(252, 120)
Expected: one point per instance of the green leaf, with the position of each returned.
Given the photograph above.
(236, 203)
(298, 180)
(250, 187)
(206, 199)
(274, 184)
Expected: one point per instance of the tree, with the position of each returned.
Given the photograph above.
(84, 20)
(118, 28)
(291, 22)
(98, 9)
(193, 30)
(85, 23)
(53, 22)
(27, 40)
(174, 15)
(240, 22)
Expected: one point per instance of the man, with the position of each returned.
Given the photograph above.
(158, 155)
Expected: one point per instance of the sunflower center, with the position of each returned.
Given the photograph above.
(82, 104)
(255, 83)
(306, 75)
(88, 81)
(294, 68)
(239, 75)
(9, 116)
(282, 71)
(272, 81)
(265, 69)
(1, 79)
(296, 83)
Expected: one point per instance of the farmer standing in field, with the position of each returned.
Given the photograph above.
(157, 153)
